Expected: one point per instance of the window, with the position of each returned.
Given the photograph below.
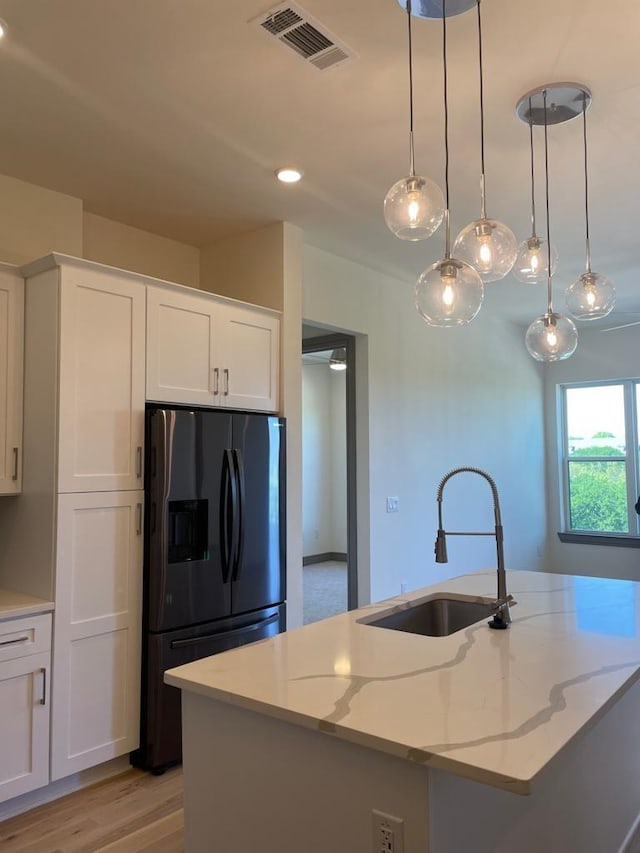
(600, 457)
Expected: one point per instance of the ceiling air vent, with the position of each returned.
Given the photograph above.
(296, 29)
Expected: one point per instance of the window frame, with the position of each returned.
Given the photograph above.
(631, 403)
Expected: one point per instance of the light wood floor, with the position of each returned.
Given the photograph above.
(131, 813)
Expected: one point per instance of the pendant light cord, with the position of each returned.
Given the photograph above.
(533, 179)
(412, 170)
(481, 69)
(546, 184)
(447, 253)
(586, 180)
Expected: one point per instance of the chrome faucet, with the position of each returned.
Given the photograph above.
(501, 615)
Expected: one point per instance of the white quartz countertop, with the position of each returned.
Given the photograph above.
(493, 706)
(15, 604)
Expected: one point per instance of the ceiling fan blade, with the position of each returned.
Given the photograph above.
(622, 326)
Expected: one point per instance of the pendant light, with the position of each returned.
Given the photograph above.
(488, 245)
(592, 295)
(449, 292)
(414, 206)
(552, 337)
(532, 259)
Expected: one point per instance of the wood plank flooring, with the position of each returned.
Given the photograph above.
(134, 812)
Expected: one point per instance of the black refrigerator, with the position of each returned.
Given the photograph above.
(214, 560)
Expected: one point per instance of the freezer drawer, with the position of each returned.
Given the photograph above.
(161, 735)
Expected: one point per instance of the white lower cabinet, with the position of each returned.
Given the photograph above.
(24, 704)
(97, 633)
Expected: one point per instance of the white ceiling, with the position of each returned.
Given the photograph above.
(171, 115)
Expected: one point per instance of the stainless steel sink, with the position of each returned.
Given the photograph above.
(438, 616)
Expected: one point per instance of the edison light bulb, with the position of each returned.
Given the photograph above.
(485, 256)
(552, 337)
(534, 260)
(414, 208)
(590, 297)
(448, 279)
(448, 295)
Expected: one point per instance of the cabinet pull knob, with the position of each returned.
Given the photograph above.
(13, 642)
(14, 476)
(43, 700)
(138, 519)
(216, 380)
(226, 381)
(139, 461)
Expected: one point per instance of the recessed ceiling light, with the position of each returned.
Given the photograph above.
(3, 28)
(288, 175)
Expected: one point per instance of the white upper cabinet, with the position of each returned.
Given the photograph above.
(180, 337)
(11, 357)
(102, 369)
(202, 350)
(249, 346)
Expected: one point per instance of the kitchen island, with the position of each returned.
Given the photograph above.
(526, 739)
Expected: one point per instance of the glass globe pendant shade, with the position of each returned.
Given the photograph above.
(414, 208)
(532, 261)
(489, 246)
(590, 297)
(449, 293)
(552, 337)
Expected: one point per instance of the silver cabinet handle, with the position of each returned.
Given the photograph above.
(139, 461)
(43, 700)
(14, 642)
(14, 476)
(216, 380)
(226, 381)
(138, 519)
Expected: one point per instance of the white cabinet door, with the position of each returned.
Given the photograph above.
(97, 632)
(180, 335)
(102, 367)
(247, 352)
(11, 356)
(24, 724)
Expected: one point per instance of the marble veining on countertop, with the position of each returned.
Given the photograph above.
(15, 604)
(494, 706)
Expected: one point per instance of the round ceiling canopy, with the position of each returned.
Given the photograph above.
(565, 101)
(433, 8)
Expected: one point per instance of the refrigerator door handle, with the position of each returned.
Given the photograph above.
(227, 504)
(194, 641)
(241, 511)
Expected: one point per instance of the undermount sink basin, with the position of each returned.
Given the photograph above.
(438, 616)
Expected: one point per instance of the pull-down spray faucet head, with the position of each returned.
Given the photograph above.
(441, 547)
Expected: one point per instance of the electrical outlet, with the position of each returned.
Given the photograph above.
(387, 834)
(393, 504)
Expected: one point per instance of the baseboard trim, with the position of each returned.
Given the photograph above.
(62, 787)
(327, 557)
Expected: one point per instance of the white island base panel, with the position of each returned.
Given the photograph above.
(256, 783)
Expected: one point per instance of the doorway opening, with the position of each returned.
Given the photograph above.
(330, 584)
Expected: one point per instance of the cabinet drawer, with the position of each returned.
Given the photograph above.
(26, 635)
